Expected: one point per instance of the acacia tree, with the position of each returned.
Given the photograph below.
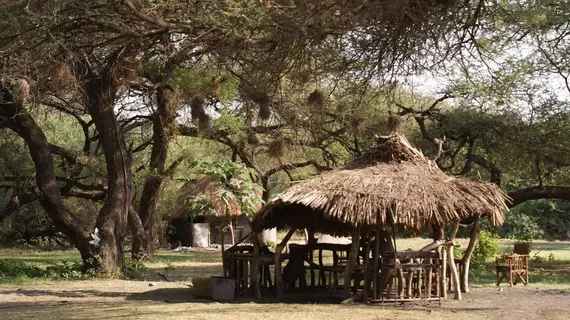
(97, 44)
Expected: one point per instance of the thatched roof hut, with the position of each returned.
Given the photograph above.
(393, 182)
(205, 187)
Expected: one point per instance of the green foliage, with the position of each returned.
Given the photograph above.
(196, 205)
(521, 227)
(134, 269)
(487, 247)
(16, 269)
(537, 259)
(234, 183)
(270, 244)
(551, 216)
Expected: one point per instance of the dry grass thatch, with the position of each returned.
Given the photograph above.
(206, 187)
(62, 78)
(252, 138)
(277, 148)
(395, 122)
(357, 124)
(392, 181)
(316, 98)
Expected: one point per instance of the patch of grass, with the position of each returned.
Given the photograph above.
(194, 256)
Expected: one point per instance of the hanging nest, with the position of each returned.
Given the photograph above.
(62, 78)
(264, 112)
(316, 98)
(198, 113)
(252, 138)
(204, 122)
(357, 124)
(304, 77)
(197, 107)
(23, 90)
(395, 122)
(341, 108)
(216, 87)
(129, 70)
(277, 148)
(263, 100)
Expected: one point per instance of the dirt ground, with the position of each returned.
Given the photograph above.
(114, 299)
(546, 297)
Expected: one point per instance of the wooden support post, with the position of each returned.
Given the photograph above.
(277, 260)
(453, 275)
(409, 277)
(353, 256)
(365, 269)
(239, 275)
(322, 274)
(429, 275)
(375, 260)
(254, 279)
(310, 245)
(466, 260)
(443, 278)
(231, 234)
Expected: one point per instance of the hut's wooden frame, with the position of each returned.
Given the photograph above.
(392, 184)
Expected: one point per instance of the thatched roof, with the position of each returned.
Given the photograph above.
(205, 187)
(392, 181)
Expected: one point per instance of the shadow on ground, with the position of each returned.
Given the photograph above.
(66, 293)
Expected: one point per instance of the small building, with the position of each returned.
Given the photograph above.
(200, 227)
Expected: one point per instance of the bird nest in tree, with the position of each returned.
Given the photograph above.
(392, 182)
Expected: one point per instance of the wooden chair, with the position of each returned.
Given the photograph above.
(514, 265)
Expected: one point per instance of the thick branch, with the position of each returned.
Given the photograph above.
(535, 193)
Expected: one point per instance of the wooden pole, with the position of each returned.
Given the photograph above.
(231, 234)
(366, 262)
(310, 245)
(353, 255)
(375, 259)
(224, 263)
(454, 276)
(466, 260)
(254, 279)
(277, 260)
(443, 278)
(429, 275)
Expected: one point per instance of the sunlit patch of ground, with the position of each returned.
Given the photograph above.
(547, 297)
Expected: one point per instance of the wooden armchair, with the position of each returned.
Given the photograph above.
(513, 266)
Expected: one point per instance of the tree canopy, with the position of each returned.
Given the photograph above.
(106, 106)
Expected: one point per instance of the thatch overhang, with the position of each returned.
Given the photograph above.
(392, 182)
(205, 187)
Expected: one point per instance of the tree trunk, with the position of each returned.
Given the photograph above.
(466, 260)
(145, 247)
(76, 230)
(112, 218)
(138, 234)
(163, 126)
(453, 274)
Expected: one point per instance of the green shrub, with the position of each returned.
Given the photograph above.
(487, 247)
(521, 227)
(134, 269)
(537, 259)
(16, 269)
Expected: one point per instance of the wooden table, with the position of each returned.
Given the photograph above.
(305, 253)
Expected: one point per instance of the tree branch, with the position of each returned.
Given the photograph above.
(539, 192)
